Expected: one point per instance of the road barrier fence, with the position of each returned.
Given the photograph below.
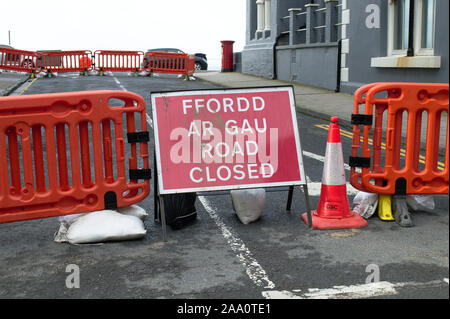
(18, 60)
(66, 153)
(83, 61)
(118, 61)
(391, 162)
(173, 63)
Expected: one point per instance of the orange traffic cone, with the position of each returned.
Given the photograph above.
(333, 211)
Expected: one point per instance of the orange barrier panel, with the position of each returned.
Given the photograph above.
(120, 61)
(172, 63)
(406, 108)
(18, 60)
(65, 153)
(66, 61)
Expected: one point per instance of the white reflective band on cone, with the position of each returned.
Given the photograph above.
(333, 169)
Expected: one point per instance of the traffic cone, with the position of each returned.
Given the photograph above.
(333, 211)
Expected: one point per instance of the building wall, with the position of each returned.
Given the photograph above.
(258, 53)
(274, 55)
(365, 44)
(309, 65)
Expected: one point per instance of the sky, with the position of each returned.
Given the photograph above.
(190, 25)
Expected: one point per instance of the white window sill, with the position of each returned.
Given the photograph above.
(432, 62)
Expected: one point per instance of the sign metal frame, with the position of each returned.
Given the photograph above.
(159, 190)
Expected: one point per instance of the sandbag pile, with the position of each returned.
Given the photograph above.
(102, 226)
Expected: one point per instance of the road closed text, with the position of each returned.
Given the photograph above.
(210, 139)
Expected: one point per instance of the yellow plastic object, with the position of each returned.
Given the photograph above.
(385, 207)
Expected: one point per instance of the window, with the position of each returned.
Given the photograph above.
(411, 27)
(401, 25)
(425, 27)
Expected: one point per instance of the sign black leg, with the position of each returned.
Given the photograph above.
(155, 190)
(163, 217)
(289, 201)
(308, 206)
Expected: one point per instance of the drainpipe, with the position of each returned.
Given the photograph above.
(338, 71)
(410, 51)
(274, 76)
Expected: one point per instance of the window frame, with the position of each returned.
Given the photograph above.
(418, 18)
(417, 40)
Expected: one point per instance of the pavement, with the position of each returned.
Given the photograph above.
(9, 81)
(310, 100)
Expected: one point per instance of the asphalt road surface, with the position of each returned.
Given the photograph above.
(218, 256)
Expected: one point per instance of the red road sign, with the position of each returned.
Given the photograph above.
(226, 139)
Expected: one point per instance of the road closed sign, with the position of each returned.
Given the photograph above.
(226, 139)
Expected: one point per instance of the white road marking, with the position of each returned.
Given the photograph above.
(253, 269)
(315, 188)
(149, 119)
(321, 158)
(119, 84)
(382, 288)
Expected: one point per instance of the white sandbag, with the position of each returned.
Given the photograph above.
(61, 234)
(134, 210)
(420, 202)
(67, 220)
(248, 204)
(64, 224)
(365, 204)
(92, 72)
(105, 225)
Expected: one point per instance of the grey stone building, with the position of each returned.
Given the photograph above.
(344, 44)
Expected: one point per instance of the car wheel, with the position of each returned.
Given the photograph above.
(198, 66)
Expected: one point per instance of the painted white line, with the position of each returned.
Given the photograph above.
(253, 269)
(382, 288)
(149, 120)
(315, 188)
(119, 84)
(321, 158)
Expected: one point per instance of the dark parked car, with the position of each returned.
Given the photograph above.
(201, 63)
(56, 61)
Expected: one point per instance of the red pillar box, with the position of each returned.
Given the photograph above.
(227, 56)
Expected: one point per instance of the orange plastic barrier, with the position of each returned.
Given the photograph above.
(66, 61)
(407, 167)
(66, 153)
(120, 61)
(172, 63)
(18, 60)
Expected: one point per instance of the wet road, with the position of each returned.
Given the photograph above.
(218, 256)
